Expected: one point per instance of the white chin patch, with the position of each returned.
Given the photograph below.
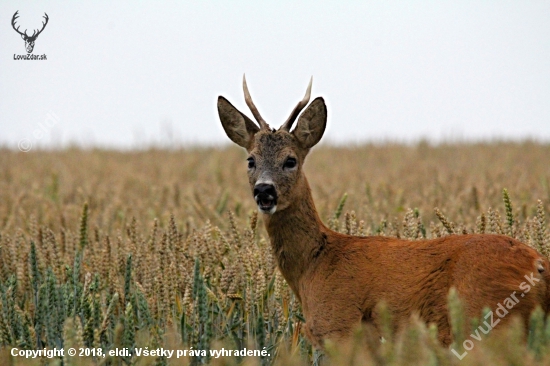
(271, 211)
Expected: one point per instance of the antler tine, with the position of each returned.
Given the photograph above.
(253, 109)
(290, 121)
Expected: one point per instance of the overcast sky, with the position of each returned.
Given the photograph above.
(128, 74)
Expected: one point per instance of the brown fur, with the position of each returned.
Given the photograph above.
(339, 279)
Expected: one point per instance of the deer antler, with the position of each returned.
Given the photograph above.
(43, 26)
(288, 124)
(253, 109)
(15, 16)
(34, 34)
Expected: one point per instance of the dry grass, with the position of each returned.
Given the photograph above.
(163, 248)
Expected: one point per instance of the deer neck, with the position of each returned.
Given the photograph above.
(297, 236)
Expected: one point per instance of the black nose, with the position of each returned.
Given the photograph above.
(265, 190)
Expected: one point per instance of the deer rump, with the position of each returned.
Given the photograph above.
(353, 274)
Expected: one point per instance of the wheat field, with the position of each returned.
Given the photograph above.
(103, 250)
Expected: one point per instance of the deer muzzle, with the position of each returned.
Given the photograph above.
(266, 197)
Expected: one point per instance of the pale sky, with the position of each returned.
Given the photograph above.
(130, 74)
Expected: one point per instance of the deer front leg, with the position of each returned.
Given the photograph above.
(336, 325)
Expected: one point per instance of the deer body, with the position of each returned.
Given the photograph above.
(339, 279)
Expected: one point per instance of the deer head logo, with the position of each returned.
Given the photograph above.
(29, 40)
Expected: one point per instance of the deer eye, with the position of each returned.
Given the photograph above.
(251, 163)
(290, 163)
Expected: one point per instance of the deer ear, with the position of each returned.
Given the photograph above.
(238, 127)
(311, 124)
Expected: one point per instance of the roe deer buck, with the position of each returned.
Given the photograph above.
(339, 278)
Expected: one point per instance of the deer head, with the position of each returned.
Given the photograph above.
(29, 40)
(275, 156)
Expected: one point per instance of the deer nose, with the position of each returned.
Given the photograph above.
(265, 190)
